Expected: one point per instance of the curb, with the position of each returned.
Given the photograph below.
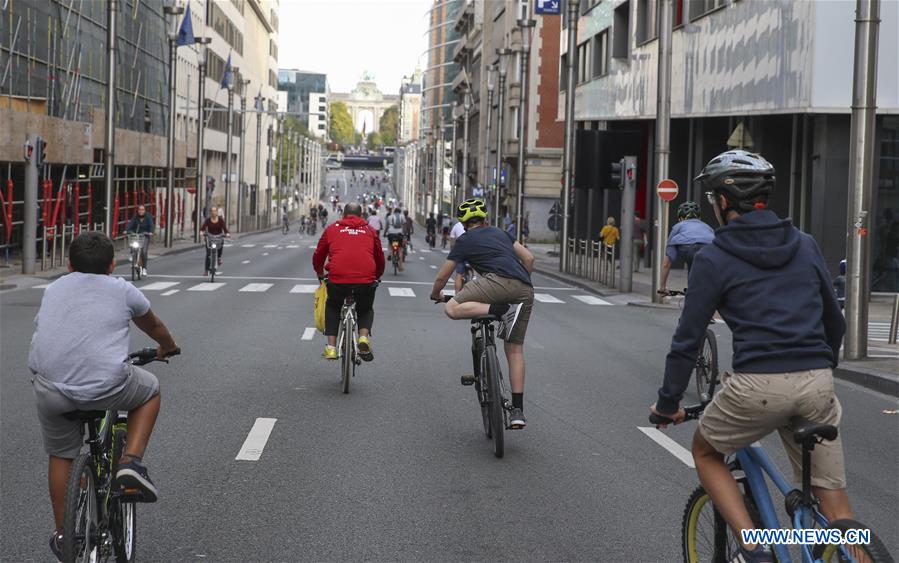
(869, 379)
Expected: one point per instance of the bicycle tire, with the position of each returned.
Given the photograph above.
(346, 363)
(212, 272)
(875, 551)
(79, 531)
(134, 272)
(706, 369)
(693, 518)
(497, 422)
(480, 386)
(122, 515)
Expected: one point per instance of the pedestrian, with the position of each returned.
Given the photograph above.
(839, 284)
(609, 235)
(639, 239)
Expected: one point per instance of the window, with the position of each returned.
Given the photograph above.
(514, 132)
(563, 73)
(322, 109)
(621, 32)
(699, 8)
(583, 62)
(321, 126)
(322, 99)
(601, 54)
(678, 13)
(273, 48)
(523, 9)
(647, 20)
(223, 26)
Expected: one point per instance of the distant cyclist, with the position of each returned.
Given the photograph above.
(396, 224)
(142, 224)
(408, 228)
(374, 221)
(688, 237)
(215, 226)
(431, 229)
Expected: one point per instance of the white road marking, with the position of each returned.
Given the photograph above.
(309, 333)
(445, 251)
(158, 286)
(265, 253)
(245, 262)
(252, 278)
(270, 246)
(304, 288)
(433, 267)
(293, 246)
(312, 246)
(206, 286)
(257, 287)
(591, 300)
(421, 257)
(401, 292)
(673, 447)
(425, 250)
(247, 245)
(547, 298)
(256, 439)
(41, 286)
(170, 292)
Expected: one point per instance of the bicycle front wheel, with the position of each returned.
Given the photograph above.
(80, 531)
(704, 531)
(495, 400)
(122, 515)
(707, 366)
(872, 552)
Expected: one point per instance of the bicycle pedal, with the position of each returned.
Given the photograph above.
(468, 379)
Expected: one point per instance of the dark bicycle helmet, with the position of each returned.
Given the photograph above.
(739, 175)
(471, 209)
(688, 210)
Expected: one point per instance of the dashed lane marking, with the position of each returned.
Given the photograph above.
(421, 257)
(270, 246)
(309, 333)
(293, 246)
(591, 300)
(401, 292)
(265, 253)
(257, 287)
(547, 298)
(245, 262)
(158, 286)
(170, 292)
(673, 447)
(206, 286)
(256, 439)
(247, 245)
(433, 267)
(304, 288)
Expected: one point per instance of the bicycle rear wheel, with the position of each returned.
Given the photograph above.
(480, 386)
(347, 360)
(873, 552)
(495, 400)
(122, 515)
(707, 366)
(81, 520)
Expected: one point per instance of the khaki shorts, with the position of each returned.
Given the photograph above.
(493, 288)
(750, 406)
(63, 437)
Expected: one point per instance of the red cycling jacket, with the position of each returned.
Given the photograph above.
(353, 251)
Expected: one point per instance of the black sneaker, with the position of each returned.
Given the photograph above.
(508, 320)
(132, 475)
(516, 419)
(56, 545)
(761, 554)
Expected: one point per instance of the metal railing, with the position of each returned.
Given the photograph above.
(56, 239)
(592, 260)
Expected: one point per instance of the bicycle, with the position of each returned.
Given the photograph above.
(395, 258)
(311, 226)
(214, 244)
(135, 246)
(101, 520)
(285, 227)
(492, 389)
(706, 369)
(749, 466)
(348, 346)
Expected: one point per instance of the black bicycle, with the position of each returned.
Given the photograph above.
(706, 369)
(491, 388)
(214, 245)
(100, 518)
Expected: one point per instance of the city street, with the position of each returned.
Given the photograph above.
(400, 468)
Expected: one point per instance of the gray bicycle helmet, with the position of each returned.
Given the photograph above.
(739, 175)
(688, 210)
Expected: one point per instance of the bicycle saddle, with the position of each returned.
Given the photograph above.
(804, 429)
(84, 416)
(484, 319)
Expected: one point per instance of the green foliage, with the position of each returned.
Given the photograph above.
(289, 152)
(342, 130)
(374, 140)
(389, 125)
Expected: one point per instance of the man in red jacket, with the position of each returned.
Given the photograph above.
(355, 262)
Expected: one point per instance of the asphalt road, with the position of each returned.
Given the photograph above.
(399, 469)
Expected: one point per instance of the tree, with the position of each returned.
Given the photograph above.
(388, 125)
(374, 140)
(341, 124)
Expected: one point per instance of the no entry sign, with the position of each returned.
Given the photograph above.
(667, 190)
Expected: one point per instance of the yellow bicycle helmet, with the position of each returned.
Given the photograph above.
(471, 209)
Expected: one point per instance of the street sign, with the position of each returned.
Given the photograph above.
(667, 190)
(549, 7)
(477, 191)
(554, 223)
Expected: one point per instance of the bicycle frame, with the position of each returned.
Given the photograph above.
(755, 463)
(348, 323)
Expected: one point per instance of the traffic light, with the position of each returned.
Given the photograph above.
(617, 173)
(42, 151)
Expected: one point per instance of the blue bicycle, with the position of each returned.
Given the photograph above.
(706, 536)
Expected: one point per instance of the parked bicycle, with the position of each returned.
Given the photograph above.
(136, 248)
(706, 369)
(706, 537)
(100, 518)
(491, 387)
(214, 245)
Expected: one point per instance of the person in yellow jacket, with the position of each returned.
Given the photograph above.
(609, 233)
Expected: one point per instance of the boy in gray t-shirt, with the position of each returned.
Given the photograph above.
(79, 356)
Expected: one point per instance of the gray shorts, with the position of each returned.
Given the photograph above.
(63, 437)
(493, 288)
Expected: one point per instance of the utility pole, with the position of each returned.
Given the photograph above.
(454, 181)
(241, 139)
(466, 115)
(172, 12)
(568, 147)
(861, 170)
(269, 199)
(662, 139)
(490, 87)
(229, 142)
(500, 116)
(34, 158)
(259, 100)
(109, 157)
(202, 42)
(525, 27)
(628, 200)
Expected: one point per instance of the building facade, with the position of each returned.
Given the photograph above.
(309, 97)
(780, 69)
(366, 104)
(410, 108)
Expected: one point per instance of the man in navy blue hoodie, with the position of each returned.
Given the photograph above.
(771, 285)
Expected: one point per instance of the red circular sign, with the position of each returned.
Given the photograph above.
(667, 190)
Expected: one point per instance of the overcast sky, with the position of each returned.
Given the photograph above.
(343, 38)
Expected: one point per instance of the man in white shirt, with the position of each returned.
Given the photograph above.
(456, 232)
(375, 222)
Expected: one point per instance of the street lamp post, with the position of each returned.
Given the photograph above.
(490, 87)
(202, 42)
(229, 144)
(466, 115)
(268, 173)
(258, 105)
(454, 182)
(109, 161)
(525, 27)
(500, 115)
(172, 13)
(568, 148)
(662, 140)
(241, 153)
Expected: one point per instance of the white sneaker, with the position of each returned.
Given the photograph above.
(143, 272)
(509, 318)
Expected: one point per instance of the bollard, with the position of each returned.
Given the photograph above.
(894, 320)
(613, 268)
(569, 265)
(44, 250)
(53, 249)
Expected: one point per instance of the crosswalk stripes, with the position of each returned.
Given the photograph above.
(546, 298)
(170, 292)
(304, 288)
(308, 333)
(257, 287)
(158, 286)
(206, 286)
(591, 300)
(401, 292)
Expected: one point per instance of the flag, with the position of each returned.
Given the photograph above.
(186, 31)
(258, 102)
(227, 78)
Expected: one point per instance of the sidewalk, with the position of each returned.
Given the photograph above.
(879, 371)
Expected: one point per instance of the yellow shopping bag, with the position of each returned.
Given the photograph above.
(321, 295)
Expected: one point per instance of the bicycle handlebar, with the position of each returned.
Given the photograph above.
(692, 413)
(145, 356)
(443, 299)
(671, 292)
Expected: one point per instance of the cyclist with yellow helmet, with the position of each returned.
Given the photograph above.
(503, 288)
